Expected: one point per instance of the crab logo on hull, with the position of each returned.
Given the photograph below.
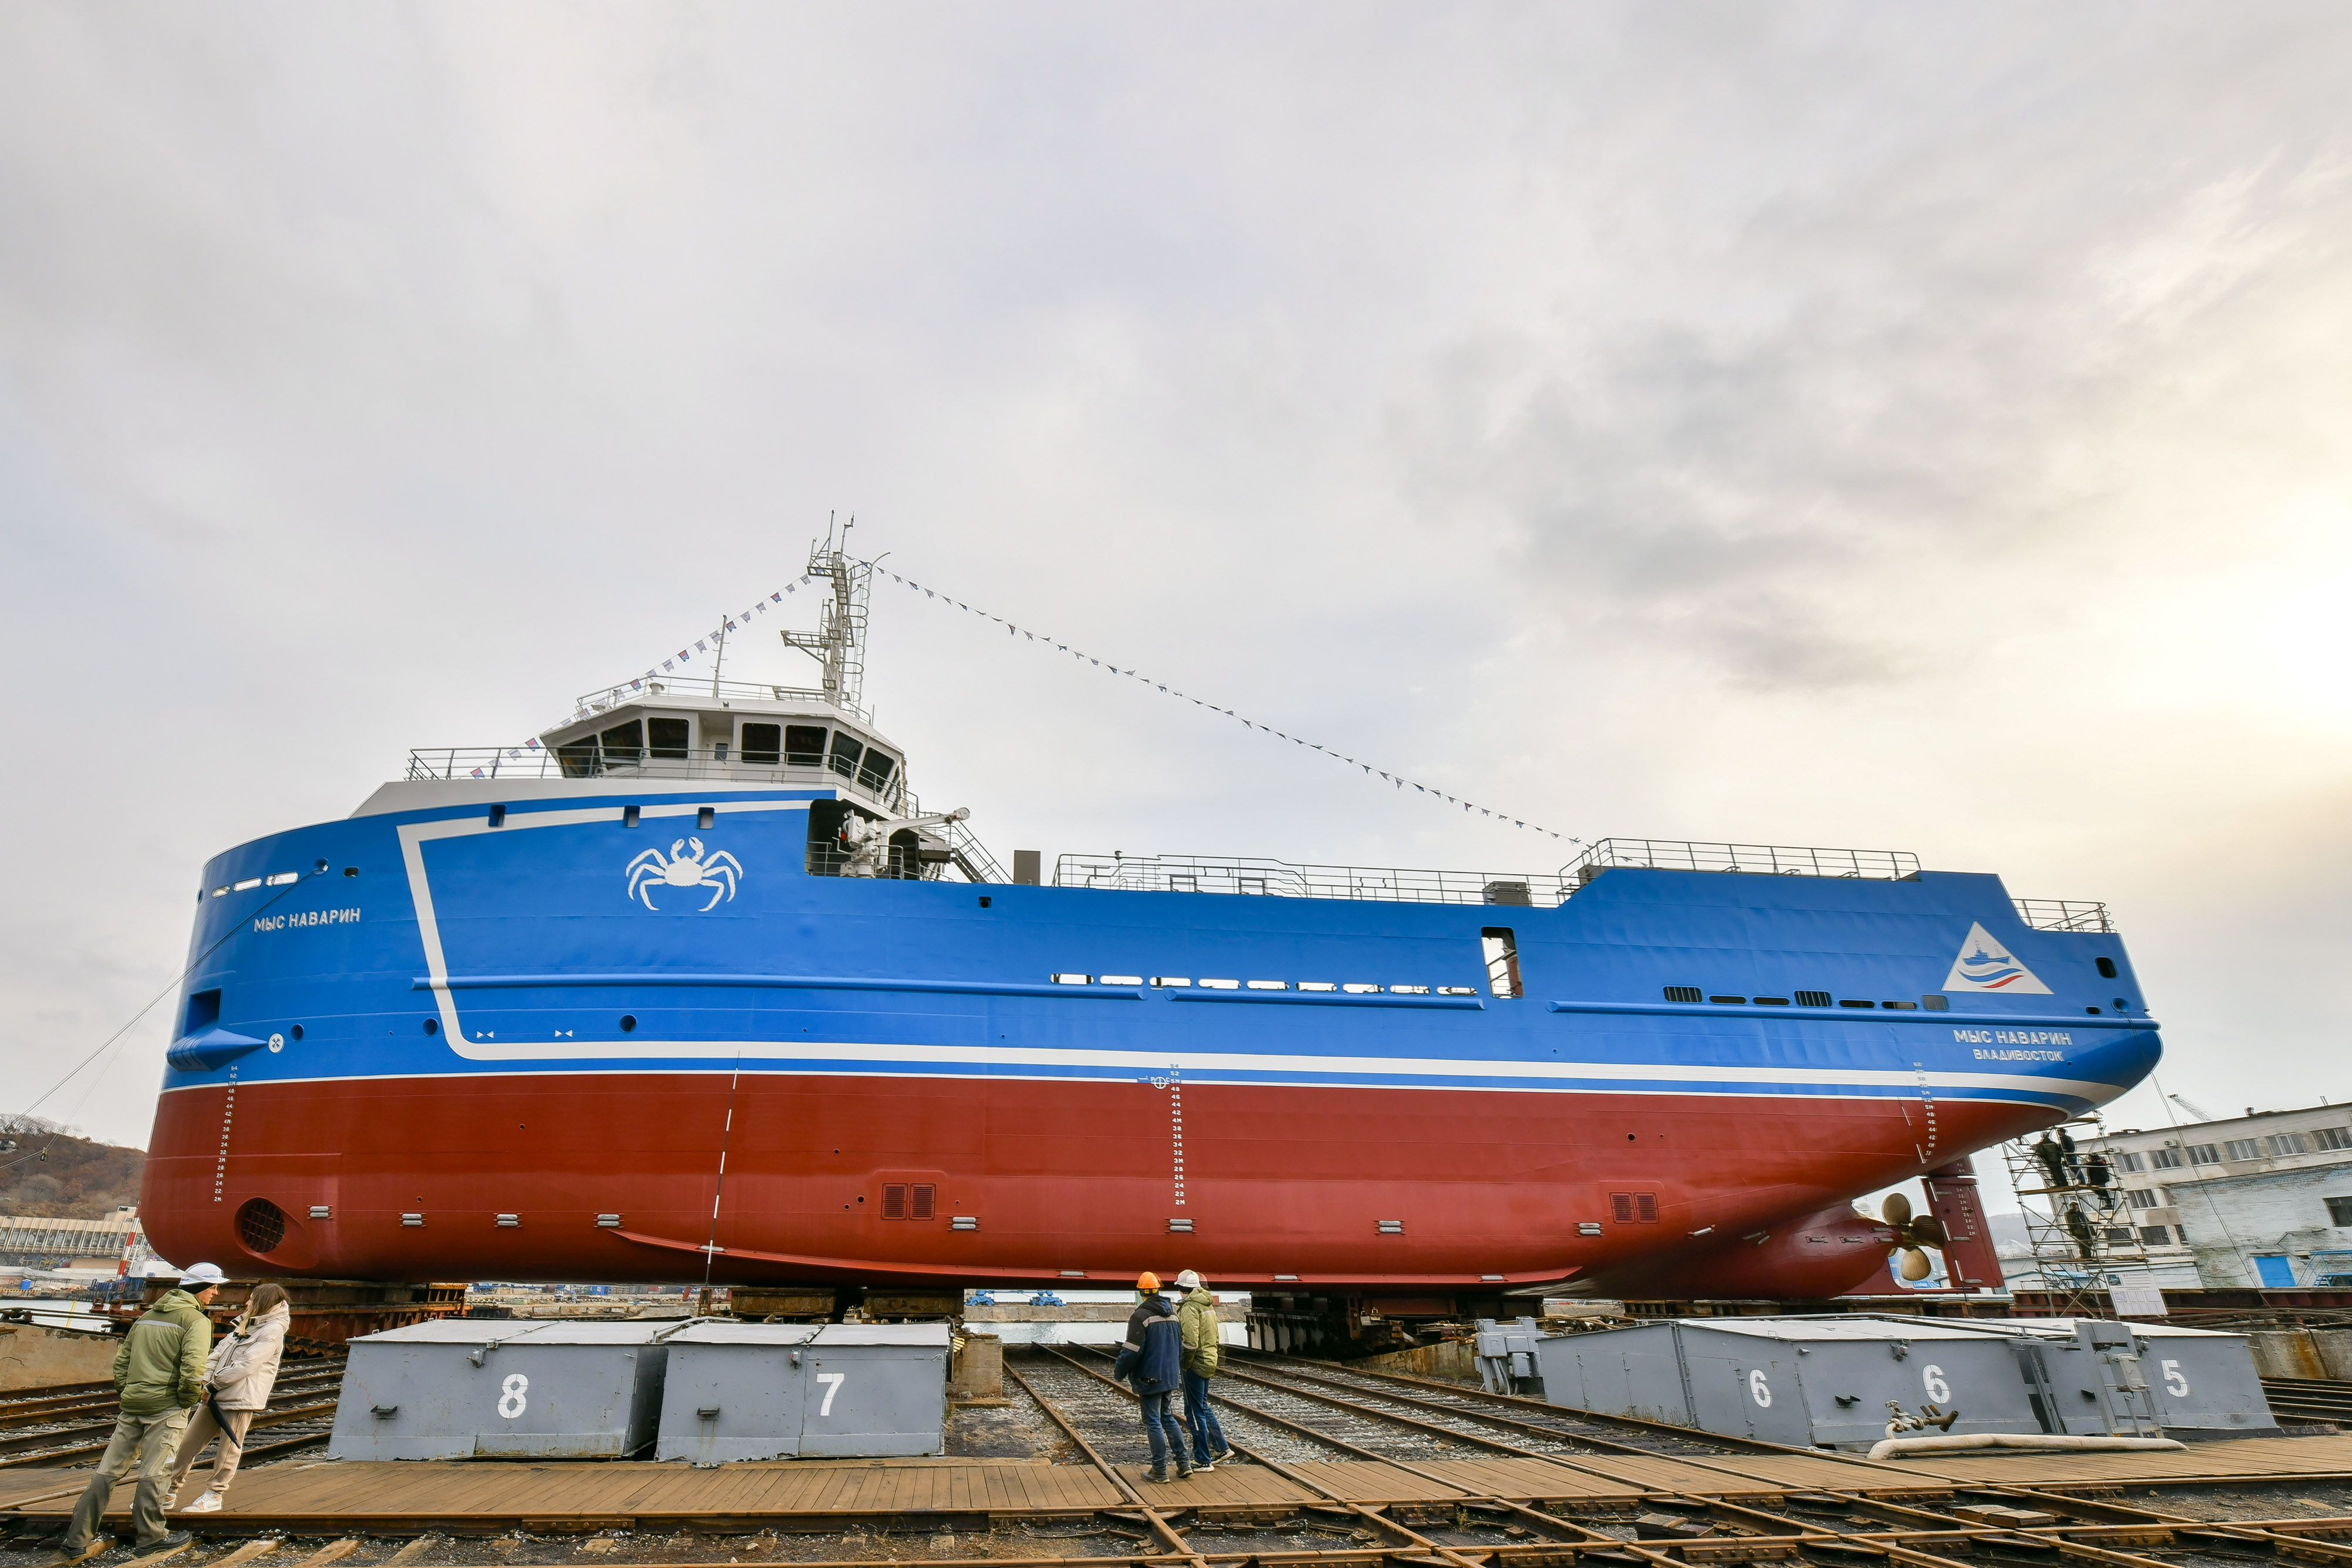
(713, 869)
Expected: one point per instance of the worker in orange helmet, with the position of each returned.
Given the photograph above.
(1151, 1360)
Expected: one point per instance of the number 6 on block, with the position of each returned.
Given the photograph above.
(832, 1382)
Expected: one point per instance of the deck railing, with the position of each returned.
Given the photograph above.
(1761, 860)
(2063, 914)
(642, 690)
(471, 762)
(1285, 879)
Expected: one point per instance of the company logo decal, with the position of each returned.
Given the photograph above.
(1984, 965)
(713, 869)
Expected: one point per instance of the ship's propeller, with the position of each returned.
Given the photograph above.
(1912, 1235)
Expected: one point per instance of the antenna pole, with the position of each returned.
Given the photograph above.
(719, 662)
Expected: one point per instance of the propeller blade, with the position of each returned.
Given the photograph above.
(1895, 1209)
(1915, 1264)
(1928, 1231)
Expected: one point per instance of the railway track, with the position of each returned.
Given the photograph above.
(1336, 1465)
(76, 1427)
(2309, 1398)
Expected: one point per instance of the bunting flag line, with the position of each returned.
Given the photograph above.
(1397, 780)
(759, 606)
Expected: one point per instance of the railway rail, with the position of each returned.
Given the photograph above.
(1336, 1465)
(2309, 1398)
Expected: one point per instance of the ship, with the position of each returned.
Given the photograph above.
(690, 988)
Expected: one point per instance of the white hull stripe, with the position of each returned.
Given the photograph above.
(2032, 1090)
(1015, 1062)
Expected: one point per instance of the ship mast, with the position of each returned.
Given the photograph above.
(839, 641)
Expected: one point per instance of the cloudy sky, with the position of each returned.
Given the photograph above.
(1808, 423)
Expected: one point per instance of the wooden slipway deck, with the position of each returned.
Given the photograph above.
(482, 1496)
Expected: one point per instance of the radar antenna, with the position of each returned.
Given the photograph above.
(839, 641)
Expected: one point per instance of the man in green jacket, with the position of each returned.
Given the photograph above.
(1203, 1353)
(160, 1375)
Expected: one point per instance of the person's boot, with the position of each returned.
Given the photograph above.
(1202, 1467)
(170, 1541)
(1157, 1474)
(1184, 1468)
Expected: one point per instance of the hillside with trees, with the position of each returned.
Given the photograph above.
(46, 1170)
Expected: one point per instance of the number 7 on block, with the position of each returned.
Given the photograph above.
(832, 1382)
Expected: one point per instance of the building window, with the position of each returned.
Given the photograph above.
(2145, 1197)
(2289, 1143)
(2129, 1162)
(2165, 1159)
(2244, 1148)
(2339, 1210)
(2204, 1154)
(2333, 1137)
(2156, 1236)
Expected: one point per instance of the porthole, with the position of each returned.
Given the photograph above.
(432, 1025)
(2107, 968)
(628, 1023)
(296, 1033)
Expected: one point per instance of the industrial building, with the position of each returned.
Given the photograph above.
(2259, 1200)
(44, 1241)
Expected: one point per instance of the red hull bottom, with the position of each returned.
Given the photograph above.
(509, 1174)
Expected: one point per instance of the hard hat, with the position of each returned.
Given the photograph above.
(1147, 1280)
(1189, 1279)
(202, 1274)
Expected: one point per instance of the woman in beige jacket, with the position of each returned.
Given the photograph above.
(243, 1371)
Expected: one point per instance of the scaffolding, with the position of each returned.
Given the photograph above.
(2078, 1223)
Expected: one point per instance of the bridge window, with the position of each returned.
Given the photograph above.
(1502, 961)
(670, 738)
(804, 745)
(576, 758)
(846, 753)
(624, 742)
(763, 743)
(875, 772)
